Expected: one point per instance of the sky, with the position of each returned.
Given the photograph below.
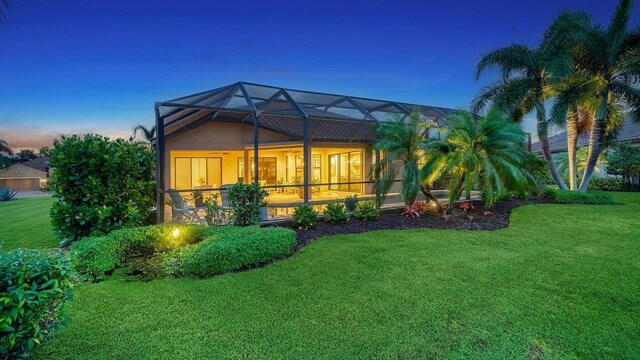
(99, 66)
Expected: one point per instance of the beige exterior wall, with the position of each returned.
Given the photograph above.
(21, 171)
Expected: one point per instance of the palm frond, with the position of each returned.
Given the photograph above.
(515, 58)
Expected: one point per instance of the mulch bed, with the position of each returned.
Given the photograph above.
(477, 219)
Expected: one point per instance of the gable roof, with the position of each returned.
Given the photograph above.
(41, 163)
(629, 131)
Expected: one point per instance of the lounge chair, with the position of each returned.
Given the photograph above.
(182, 212)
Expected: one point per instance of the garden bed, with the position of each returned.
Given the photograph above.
(390, 219)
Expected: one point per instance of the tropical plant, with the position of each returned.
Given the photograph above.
(215, 214)
(245, 199)
(403, 145)
(525, 86)
(101, 185)
(4, 147)
(305, 217)
(148, 134)
(562, 162)
(604, 66)
(486, 154)
(367, 210)
(7, 194)
(624, 160)
(335, 213)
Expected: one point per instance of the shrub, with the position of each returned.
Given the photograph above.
(96, 256)
(305, 216)
(215, 215)
(101, 185)
(245, 200)
(7, 194)
(608, 183)
(335, 213)
(367, 210)
(575, 197)
(34, 286)
(421, 207)
(232, 249)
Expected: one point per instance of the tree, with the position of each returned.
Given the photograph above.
(403, 146)
(525, 86)
(4, 147)
(148, 134)
(26, 155)
(101, 185)
(624, 161)
(563, 162)
(44, 151)
(487, 154)
(606, 66)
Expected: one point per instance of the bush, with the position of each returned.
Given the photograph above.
(233, 249)
(335, 213)
(7, 194)
(245, 199)
(575, 197)
(608, 183)
(97, 256)
(34, 286)
(101, 185)
(305, 216)
(367, 210)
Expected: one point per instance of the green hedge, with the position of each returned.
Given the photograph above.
(96, 256)
(608, 183)
(34, 286)
(182, 250)
(236, 249)
(575, 197)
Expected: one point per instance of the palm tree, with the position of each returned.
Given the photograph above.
(563, 162)
(148, 134)
(487, 154)
(524, 87)
(5, 147)
(403, 146)
(608, 62)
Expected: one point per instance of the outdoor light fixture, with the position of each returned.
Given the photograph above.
(175, 232)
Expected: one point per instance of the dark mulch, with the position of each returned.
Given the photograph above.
(477, 219)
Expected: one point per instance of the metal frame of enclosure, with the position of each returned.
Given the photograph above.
(299, 115)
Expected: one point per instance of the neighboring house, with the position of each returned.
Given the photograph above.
(628, 132)
(26, 176)
(302, 146)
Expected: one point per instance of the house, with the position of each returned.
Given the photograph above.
(27, 176)
(301, 146)
(628, 132)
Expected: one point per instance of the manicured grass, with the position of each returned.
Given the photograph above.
(563, 281)
(26, 223)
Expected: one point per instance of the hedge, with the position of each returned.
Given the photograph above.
(576, 197)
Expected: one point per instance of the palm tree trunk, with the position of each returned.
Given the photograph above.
(426, 190)
(596, 140)
(572, 142)
(543, 138)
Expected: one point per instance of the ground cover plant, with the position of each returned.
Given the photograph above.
(574, 197)
(566, 292)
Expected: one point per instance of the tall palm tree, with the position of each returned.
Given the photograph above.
(608, 62)
(487, 154)
(403, 147)
(525, 86)
(563, 162)
(148, 134)
(5, 147)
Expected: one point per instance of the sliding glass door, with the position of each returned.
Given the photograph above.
(345, 168)
(197, 172)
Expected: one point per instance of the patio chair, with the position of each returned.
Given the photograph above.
(224, 197)
(181, 211)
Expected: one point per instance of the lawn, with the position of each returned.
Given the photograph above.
(26, 223)
(563, 281)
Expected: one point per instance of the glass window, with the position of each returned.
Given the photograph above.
(197, 172)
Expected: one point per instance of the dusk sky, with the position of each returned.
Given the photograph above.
(99, 66)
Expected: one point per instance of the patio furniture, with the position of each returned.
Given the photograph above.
(181, 211)
(224, 197)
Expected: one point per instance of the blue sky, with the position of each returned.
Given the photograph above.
(99, 66)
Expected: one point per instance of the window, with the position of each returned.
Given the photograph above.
(197, 172)
(267, 170)
(345, 168)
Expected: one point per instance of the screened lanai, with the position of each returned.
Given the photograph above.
(302, 146)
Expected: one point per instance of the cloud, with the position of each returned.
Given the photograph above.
(31, 136)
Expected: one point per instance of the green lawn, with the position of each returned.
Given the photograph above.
(562, 282)
(26, 223)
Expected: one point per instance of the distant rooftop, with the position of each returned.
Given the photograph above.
(630, 131)
(41, 163)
